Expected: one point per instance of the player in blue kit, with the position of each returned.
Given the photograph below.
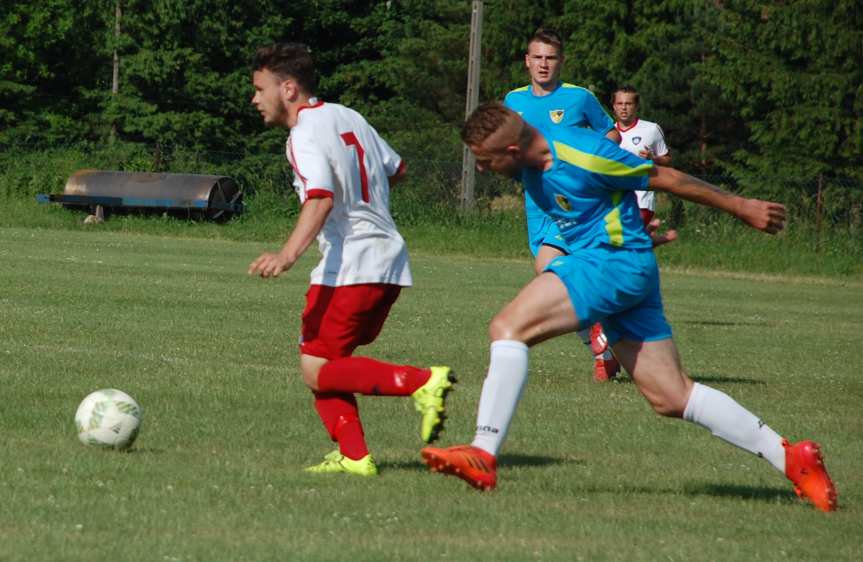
(548, 102)
(585, 184)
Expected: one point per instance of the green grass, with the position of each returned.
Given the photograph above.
(588, 473)
(707, 242)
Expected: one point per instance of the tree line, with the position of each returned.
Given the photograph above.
(741, 87)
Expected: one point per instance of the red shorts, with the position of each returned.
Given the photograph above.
(337, 320)
(646, 215)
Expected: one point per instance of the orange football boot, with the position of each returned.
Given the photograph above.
(473, 465)
(804, 466)
(603, 369)
(598, 341)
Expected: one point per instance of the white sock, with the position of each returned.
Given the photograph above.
(584, 335)
(507, 374)
(733, 423)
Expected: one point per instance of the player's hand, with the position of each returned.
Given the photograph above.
(765, 216)
(269, 264)
(658, 238)
(646, 154)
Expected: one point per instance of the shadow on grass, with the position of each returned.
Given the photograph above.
(760, 493)
(720, 379)
(140, 451)
(535, 460)
(505, 461)
(624, 378)
(721, 323)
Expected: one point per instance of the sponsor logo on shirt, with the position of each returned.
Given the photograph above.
(562, 202)
(556, 115)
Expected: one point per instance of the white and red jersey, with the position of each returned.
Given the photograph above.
(639, 136)
(335, 153)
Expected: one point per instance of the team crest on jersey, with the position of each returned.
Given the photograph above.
(562, 202)
(636, 140)
(556, 115)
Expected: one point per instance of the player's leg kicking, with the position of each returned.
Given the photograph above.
(546, 244)
(336, 321)
(661, 379)
(547, 306)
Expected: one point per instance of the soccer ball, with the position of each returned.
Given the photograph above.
(108, 418)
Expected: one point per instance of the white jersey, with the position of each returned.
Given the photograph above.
(639, 136)
(335, 153)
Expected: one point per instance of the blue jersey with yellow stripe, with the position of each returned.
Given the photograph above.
(566, 107)
(588, 191)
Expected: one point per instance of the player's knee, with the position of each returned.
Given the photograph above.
(310, 370)
(668, 405)
(501, 328)
(668, 410)
(311, 380)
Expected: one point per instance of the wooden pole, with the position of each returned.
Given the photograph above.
(819, 210)
(468, 168)
(115, 78)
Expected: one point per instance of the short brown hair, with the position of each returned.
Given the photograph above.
(626, 90)
(486, 120)
(548, 36)
(288, 60)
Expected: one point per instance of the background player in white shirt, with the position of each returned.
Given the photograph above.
(342, 174)
(640, 137)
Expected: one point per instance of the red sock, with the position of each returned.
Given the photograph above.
(370, 377)
(341, 417)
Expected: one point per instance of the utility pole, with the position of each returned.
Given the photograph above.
(468, 168)
(115, 79)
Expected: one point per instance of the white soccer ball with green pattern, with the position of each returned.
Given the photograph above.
(108, 418)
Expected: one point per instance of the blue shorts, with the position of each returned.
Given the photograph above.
(542, 231)
(617, 287)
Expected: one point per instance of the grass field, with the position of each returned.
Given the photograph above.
(588, 473)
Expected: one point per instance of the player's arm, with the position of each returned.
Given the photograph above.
(765, 216)
(658, 150)
(599, 120)
(400, 174)
(664, 160)
(310, 222)
(649, 154)
(659, 237)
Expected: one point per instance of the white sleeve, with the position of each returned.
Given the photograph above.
(389, 158)
(659, 148)
(311, 164)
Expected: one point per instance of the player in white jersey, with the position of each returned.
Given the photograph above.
(342, 173)
(640, 137)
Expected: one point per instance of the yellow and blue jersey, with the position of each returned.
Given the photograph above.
(588, 191)
(567, 107)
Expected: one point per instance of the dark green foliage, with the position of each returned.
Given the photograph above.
(793, 72)
(767, 93)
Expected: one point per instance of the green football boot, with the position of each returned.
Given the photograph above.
(430, 401)
(336, 462)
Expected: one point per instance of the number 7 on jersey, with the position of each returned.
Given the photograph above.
(350, 139)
